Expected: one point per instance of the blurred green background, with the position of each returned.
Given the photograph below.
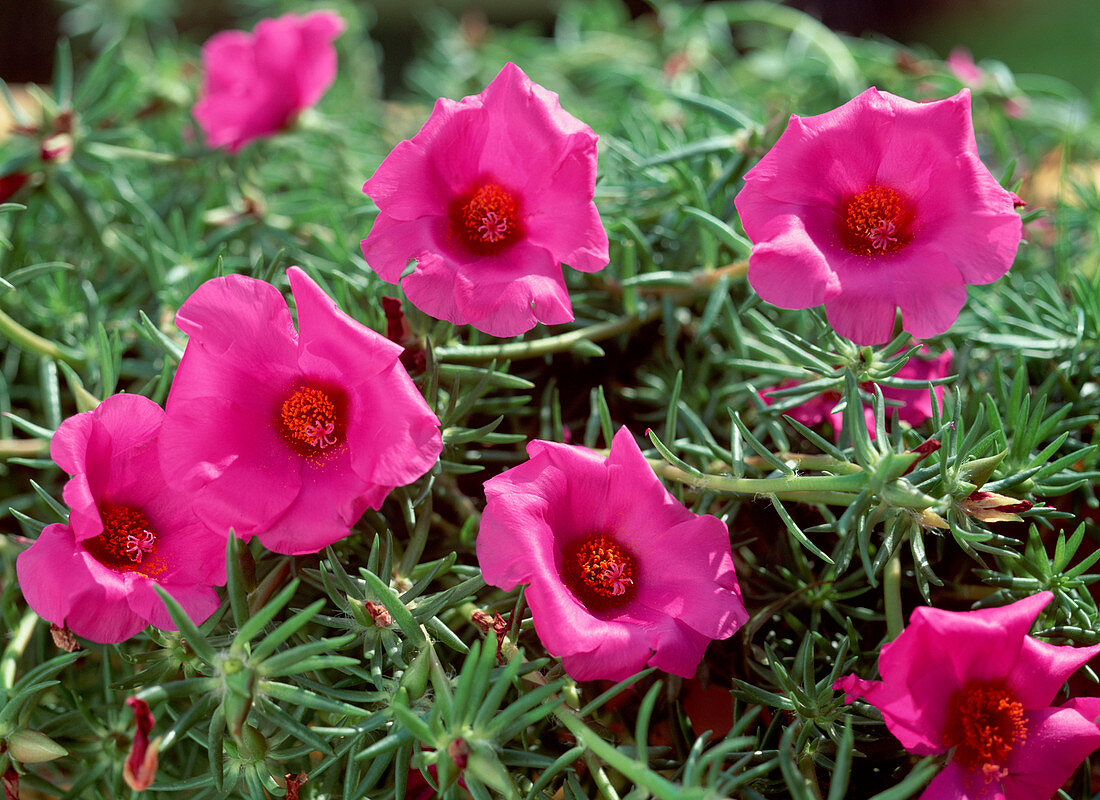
(1054, 37)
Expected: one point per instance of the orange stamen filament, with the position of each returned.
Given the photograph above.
(126, 533)
(308, 417)
(875, 221)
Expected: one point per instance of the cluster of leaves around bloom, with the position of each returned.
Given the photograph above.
(373, 667)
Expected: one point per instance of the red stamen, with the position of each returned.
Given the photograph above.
(600, 572)
(985, 723)
(487, 220)
(876, 221)
(311, 421)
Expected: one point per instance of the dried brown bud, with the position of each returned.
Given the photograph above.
(294, 784)
(378, 614)
(63, 638)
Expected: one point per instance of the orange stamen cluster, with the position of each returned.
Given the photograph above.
(487, 221)
(128, 541)
(876, 221)
(984, 724)
(310, 421)
(599, 572)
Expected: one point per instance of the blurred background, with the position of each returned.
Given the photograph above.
(1053, 37)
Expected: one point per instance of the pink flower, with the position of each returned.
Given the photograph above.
(489, 197)
(915, 408)
(877, 205)
(256, 83)
(961, 64)
(128, 532)
(283, 434)
(975, 684)
(620, 573)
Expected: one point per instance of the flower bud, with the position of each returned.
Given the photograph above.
(32, 747)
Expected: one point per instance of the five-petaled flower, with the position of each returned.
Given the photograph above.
(974, 684)
(620, 573)
(489, 198)
(880, 204)
(128, 531)
(256, 83)
(285, 434)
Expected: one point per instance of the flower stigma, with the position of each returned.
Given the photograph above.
(985, 723)
(487, 220)
(310, 421)
(875, 221)
(599, 572)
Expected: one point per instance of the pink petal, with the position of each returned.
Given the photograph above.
(239, 313)
(1041, 669)
(330, 343)
(233, 459)
(786, 267)
(393, 435)
(66, 586)
(393, 243)
(561, 216)
(502, 295)
(864, 320)
(1058, 740)
(955, 783)
(390, 187)
(199, 601)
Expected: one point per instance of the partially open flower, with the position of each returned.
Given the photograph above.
(285, 434)
(877, 205)
(974, 684)
(993, 507)
(140, 769)
(489, 198)
(620, 573)
(129, 530)
(256, 83)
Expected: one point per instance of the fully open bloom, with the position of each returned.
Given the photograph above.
(255, 83)
(915, 408)
(620, 573)
(283, 434)
(489, 198)
(128, 531)
(880, 204)
(975, 684)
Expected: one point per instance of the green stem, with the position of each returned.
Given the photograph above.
(15, 649)
(540, 347)
(34, 343)
(891, 591)
(822, 486)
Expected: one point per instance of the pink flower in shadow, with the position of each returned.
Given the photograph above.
(975, 685)
(489, 198)
(129, 531)
(620, 574)
(915, 408)
(256, 83)
(877, 205)
(285, 434)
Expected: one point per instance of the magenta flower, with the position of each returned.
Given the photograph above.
(975, 684)
(620, 573)
(489, 198)
(256, 83)
(915, 408)
(289, 435)
(128, 532)
(880, 204)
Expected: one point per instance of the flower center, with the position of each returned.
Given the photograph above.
(984, 723)
(311, 421)
(128, 542)
(599, 572)
(876, 221)
(486, 221)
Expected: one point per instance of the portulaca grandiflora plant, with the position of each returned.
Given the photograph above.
(700, 405)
